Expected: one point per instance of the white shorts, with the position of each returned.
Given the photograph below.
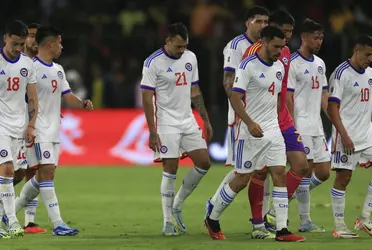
(230, 160)
(43, 153)
(255, 153)
(13, 150)
(342, 161)
(175, 144)
(316, 148)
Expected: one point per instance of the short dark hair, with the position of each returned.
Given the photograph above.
(178, 29)
(364, 40)
(281, 17)
(33, 26)
(310, 26)
(17, 28)
(256, 10)
(44, 32)
(270, 32)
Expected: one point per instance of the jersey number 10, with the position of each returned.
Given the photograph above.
(364, 95)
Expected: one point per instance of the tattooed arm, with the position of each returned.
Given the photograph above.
(228, 81)
(198, 102)
(33, 104)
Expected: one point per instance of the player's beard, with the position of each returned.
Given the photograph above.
(33, 49)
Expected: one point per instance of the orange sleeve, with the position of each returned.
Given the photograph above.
(252, 49)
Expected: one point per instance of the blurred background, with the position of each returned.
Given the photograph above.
(106, 42)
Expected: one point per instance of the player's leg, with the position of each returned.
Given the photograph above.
(169, 154)
(363, 222)
(321, 167)
(8, 152)
(243, 167)
(275, 159)
(30, 209)
(19, 175)
(196, 149)
(344, 165)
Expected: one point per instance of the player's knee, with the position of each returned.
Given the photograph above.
(323, 175)
(262, 174)
(29, 173)
(343, 178)
(206, 164)
(239, 182)
(278, 175)
(6, 169)
(46, 172)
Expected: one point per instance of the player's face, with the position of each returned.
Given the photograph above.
(314, 41)
(256, 24)
(176, 46)
(364, 56)
(274, 48)
(14, 45)
(56, 47)
(287, 30)
(31, 44)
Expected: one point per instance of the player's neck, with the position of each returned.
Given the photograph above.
(263, 56)
(250, 37)
(305, 53)
(29, 53)
(45, 57)
(355, 65)
(7, 55)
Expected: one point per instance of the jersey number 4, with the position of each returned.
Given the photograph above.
(181, 79)
(272, 88)
(13, 84)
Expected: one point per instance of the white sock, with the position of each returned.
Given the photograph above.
(228, 178)
(367, 207)
(266, 197)
(338, 206)
(280, 205)
(303, 200)
(167, 188)
(30, 211)
(29, 191)
(224, 199)
(48, 194)
(189, 183)
(1, 208)
(7, 196)
(314, 182)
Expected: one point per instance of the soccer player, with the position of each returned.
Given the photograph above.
(349, 107)
(259, 187)
(17, 77)
(170, 78)
(44, 152)
(30, 50)
(260, 142)
(256, 19)
(308, 88)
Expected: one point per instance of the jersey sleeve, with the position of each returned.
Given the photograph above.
(195, 73)
(252, 49)
(232, 59)
(65, 87)
(337, 86)
(149, 76)
(241, 80)
(291, 79)
(32, 75)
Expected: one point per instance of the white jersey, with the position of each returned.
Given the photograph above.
(51, 86)
(171, 79)
(351, 89)
(307, 79)
(14, 77)
(233, 54)
(261, 83)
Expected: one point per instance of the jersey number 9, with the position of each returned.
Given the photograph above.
(54, 85)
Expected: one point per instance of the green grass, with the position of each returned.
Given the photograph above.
(119, 208)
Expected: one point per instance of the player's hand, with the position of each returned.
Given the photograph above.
(30, 134)
(208, 130)
(88, 105)
(255, 130)
(348, 145)
(154, 142)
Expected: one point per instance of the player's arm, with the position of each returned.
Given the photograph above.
(198, 103)
(325, 102)
(231, 62)
(147, 96)
(228, 81)
(75, 102)
(33, 104)
(291, 83)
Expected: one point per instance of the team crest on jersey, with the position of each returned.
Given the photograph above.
(188, 66)
(344, 158)
(163, 149)
(285, 60)
(60, 74)
(370, 82)
(307, 150)
(46, 154)
(247, 164)
(24, 72)
(279, 75)
(320, 70)
(3, 153)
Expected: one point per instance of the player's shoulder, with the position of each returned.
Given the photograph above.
(234, 43)
(189, 54)
(151, 60)
(341, 71)
(318, 60)
(294, 56)
(249, 60)
(25, 58)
